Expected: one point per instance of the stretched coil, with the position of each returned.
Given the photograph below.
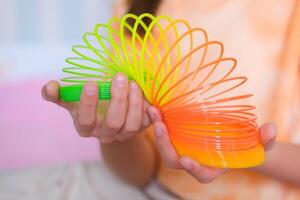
(185, 76)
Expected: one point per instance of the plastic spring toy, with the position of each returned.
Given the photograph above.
(180, 72)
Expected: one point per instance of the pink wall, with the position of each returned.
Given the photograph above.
(34, 132)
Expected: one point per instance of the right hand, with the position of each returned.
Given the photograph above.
(125, 117)
(204, 174)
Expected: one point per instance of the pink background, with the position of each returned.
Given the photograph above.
(34, 132)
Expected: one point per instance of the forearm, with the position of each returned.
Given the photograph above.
(133, 160)
(283, 163)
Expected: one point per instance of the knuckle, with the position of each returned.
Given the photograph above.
(85, 124)
(81, 131)
(131, 129)
(87, 104)
(113, 125)
(119, 96)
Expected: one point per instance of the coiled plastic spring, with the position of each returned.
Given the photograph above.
(180, 72)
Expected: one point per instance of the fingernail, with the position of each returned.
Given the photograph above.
(90, 88)
(133, 86)
(186, 164)
(120, 80)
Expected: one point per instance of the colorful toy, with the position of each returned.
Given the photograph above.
(184, 75)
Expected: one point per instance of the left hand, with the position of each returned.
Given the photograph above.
(204, 174)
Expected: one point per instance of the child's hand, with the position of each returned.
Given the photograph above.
(126, 114)
(202, 173)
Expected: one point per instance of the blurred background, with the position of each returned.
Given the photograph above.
(35, 38)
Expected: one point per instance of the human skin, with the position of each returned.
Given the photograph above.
(129, 153)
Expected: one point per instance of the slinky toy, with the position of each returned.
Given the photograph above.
(180, 72)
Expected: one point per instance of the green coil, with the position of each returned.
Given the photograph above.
(72, 93)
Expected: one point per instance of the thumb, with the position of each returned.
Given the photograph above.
(267, 134)
(50, 92)
(154, 114)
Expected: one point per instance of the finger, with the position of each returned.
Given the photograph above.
(267, 135)
(50, 92)
(203, 174)
(87, 110)
(146, 118)
(154, 114)
(164, 146)
(116, 113)
(163, 143)
(133, 119)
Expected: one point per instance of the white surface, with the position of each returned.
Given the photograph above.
(91, 181)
